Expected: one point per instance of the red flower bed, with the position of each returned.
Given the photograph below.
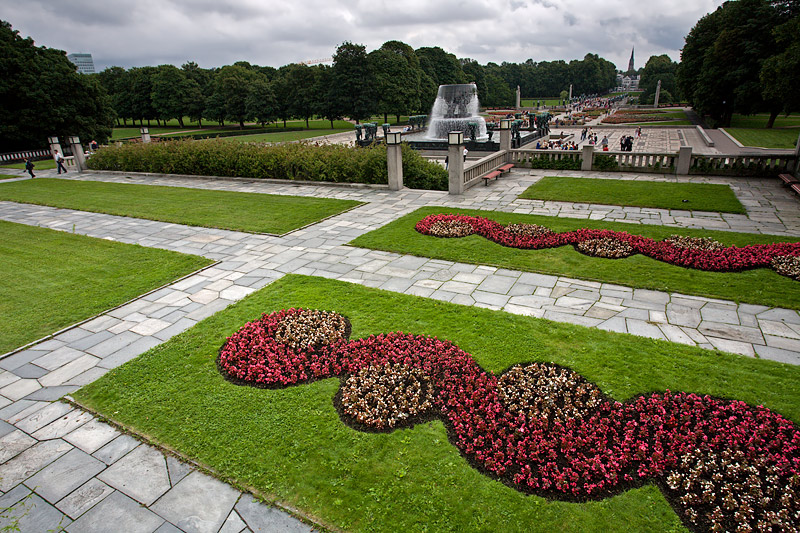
(543, 429)
(672, 250)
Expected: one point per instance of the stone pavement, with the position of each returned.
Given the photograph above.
(66, 468)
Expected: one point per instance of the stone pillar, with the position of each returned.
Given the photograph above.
(145, 131)
(77, 153)
(55, 146)
(658, 93)
(684, 160)
(455, 158)
(519, 97)
(394, 160)
(797, 158)
(587, 156)
(505, 134)
(570, 92)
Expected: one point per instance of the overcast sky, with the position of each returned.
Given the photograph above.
(277, 32)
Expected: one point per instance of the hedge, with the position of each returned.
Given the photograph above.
(290, 161)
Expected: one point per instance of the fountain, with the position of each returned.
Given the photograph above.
(456, 109)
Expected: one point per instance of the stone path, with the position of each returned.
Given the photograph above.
(69, 469)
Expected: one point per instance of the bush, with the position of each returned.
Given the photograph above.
(605, 163)
(291, 161)
(566, 163)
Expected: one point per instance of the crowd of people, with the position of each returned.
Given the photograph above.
(556, 145)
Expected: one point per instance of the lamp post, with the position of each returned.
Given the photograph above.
(394, 160)
(455, 143)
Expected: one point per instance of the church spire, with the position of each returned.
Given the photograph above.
(630, 63)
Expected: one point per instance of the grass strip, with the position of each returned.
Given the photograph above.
(759, 120)
(51, 279)
(238, 211)
(763, 138)
(44, 164)
(8, 176)
(760, 286)
(290, 444)
(661, 195)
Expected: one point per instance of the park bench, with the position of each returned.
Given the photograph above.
(788, 179)
(493, 175)
(795, 186)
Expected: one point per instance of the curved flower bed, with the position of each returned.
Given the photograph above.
(698, 253)
(543, 429)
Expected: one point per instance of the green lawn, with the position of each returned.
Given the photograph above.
(772, 138)
(51, 279)
(282, 137)
(759, 286)
(290, 445)
(239, 211)
(661, 195)
(44, 164)
(548, 101)
(661, 123)
(760, 121)
(7, 176)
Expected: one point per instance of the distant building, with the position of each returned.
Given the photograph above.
(84, 62)
(630, 63)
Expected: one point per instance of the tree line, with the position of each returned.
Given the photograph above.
(394, 79)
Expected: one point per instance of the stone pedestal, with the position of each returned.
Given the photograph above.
(77, 153)
(519, 98)
(587, 156)
(505, 139)
(145, 131)
(55, 146)
(394, 161)
(455, 168)
(684, 160)
(658, 94)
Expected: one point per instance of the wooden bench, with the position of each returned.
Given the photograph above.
(795, 186)
(491, 176)
(788, 179)
(506, 168)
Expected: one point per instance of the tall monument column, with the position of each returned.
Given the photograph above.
(658, 93)
(519, 95)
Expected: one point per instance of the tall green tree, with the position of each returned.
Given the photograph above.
(659, 68)
(42, 94)
(780, 74)
(231, 86)
(173, 93)
(260, 102)
(199, 90)
(117, 83)
(723, 57)
(325, 106)
(396, 82)
(352, 91)
(301, 80)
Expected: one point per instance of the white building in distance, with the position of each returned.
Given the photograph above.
(84, 62)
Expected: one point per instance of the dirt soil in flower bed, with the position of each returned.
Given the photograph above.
(290, 444)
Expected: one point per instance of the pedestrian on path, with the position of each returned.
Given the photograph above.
(29, 167)
(60, 162)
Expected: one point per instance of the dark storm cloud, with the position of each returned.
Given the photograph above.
(276, 32)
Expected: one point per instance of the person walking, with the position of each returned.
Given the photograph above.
(465, 153)
(60, 162)
(29, 167)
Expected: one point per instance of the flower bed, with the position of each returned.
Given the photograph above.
(631, 118)
(697, 253)
(543, 429)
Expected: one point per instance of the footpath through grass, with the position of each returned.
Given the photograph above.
(657, 194)
(290, 444)
(51, 279)
(760, 286)
(238, 211)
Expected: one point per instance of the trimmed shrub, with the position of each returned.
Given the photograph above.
(291, 161)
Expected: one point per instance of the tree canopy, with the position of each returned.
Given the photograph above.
(42, 94)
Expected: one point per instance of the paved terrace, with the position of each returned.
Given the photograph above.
(66, 468)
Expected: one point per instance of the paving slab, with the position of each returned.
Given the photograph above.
(92, 436)
(116, 449)
(126, 515)
(84, 498)
(260, 517)
(14, 443)
(197, 504)
(64, 475)
(44, 416)
(31, 461)
(142, 475)
(63, 425)
(34, 515)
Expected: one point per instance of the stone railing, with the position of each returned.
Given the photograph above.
(743, 165)
(482, 166)
(12, 157)
(642, 161)
(558, 158)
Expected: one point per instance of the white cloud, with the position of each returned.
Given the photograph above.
(220, 32)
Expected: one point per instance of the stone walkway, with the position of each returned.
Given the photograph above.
(68, 469)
